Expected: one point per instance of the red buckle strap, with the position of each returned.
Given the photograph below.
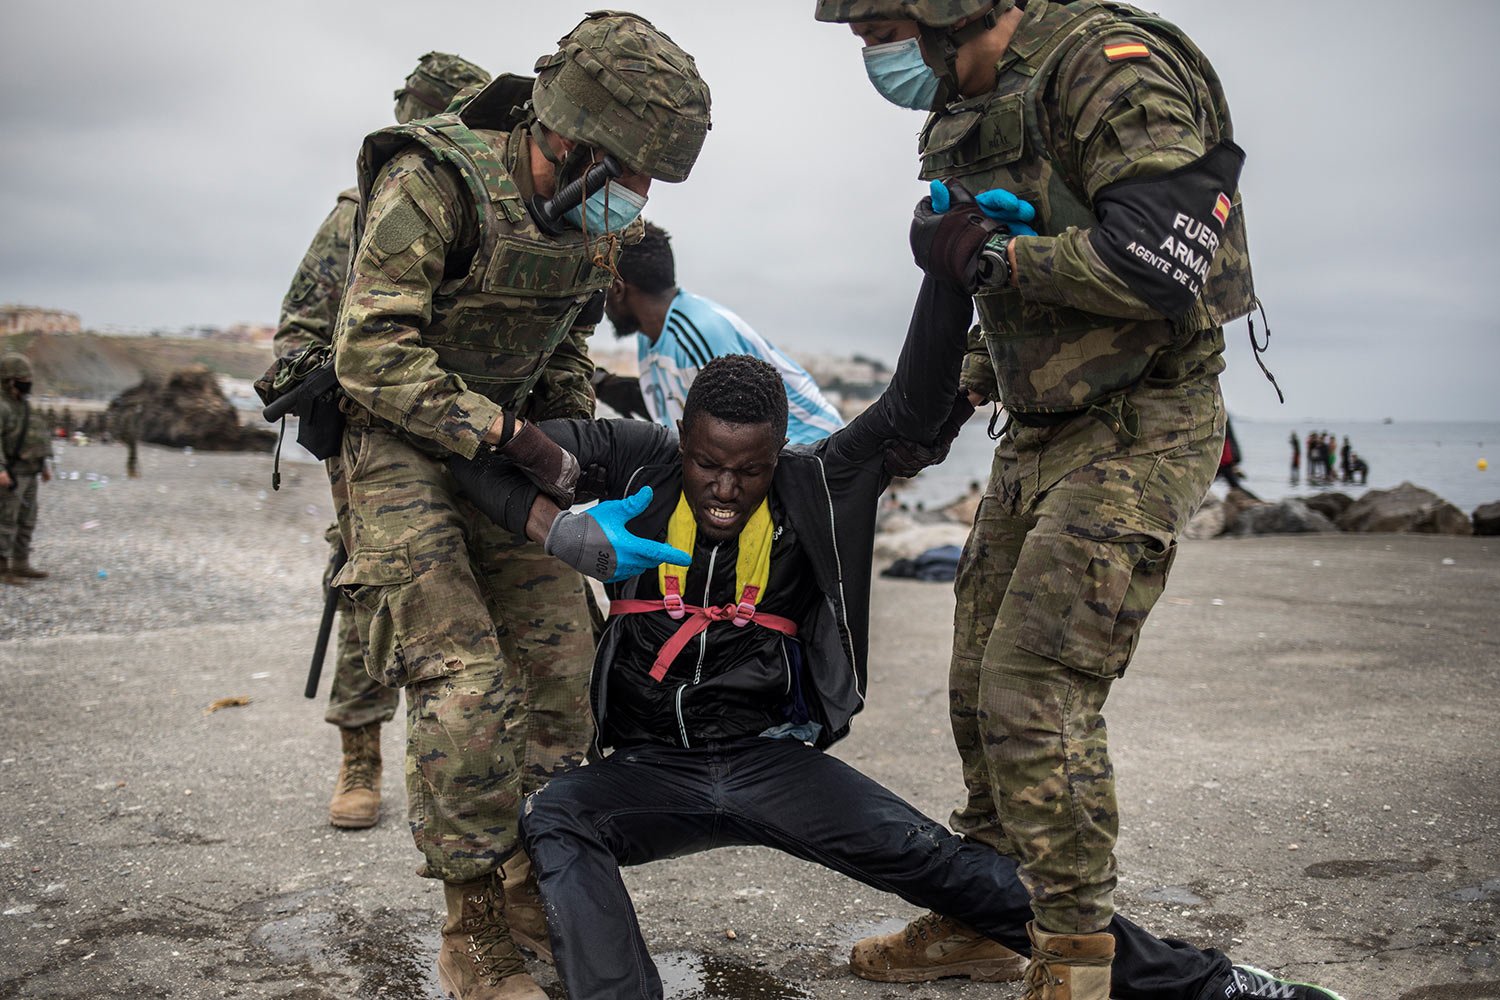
(745, 612)
(694, 626)
(672, 600)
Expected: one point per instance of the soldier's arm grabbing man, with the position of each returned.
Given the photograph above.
(463, 300)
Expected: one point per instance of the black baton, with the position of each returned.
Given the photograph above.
(547, 213)
(325, 627)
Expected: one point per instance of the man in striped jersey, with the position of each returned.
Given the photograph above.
(681, 332)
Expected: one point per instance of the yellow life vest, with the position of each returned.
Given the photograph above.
(752, 567)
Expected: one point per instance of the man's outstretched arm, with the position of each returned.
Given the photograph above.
(923, 391)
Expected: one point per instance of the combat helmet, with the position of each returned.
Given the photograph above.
(15, 368)
(431, 86)
(619, 84)
(935, 19)
(936, 13)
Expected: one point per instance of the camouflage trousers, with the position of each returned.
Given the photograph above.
(18, 518)
(489, 636)
(1069, 552)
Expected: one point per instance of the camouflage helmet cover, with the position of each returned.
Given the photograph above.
(438, 76)
(15, 367)
(935, 13)
(618, 83)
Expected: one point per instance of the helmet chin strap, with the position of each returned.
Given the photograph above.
(946, 42)
(543, 137)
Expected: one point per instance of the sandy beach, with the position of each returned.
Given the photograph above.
(1306, 743)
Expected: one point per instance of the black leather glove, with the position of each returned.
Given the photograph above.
(904, 459)
(947, 244)
(542, 460)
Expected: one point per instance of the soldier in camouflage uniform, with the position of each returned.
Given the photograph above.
(1106, 249)
(465, 321)
(357, 702)
(25, 447)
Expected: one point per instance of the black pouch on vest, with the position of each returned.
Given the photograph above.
(304, 383)
(320, 424)
(1160, 234)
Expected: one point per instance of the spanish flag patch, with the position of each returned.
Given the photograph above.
(1120, 51)
(1222, 209)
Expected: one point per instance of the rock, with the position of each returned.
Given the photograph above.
(1405, 509)
(1285, 517)
(1236, 503)
(186, 410)
(1330, 504)
(1208, 520)
(911, 541)
(964, 509)
(1487, 519)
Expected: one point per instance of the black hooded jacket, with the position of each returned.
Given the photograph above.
(829, 491)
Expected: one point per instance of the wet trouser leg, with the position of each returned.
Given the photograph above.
(647, 803)
(547, 641)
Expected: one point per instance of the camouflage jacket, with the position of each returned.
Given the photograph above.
(1088, 95)
(25, 438)
(458, 305)
(311, 306)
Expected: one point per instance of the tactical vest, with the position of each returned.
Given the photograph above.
(496, 325)
(1055, 359)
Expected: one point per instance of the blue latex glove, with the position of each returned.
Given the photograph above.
(596, 542)
(997, 203)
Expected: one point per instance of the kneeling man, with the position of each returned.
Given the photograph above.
(727, 670)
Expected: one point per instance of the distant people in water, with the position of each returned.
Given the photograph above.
(1358, 467)
(1327, 461)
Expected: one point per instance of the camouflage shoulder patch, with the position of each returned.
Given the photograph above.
(1121, 50)
(398, 228)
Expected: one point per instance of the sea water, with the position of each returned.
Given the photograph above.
(1440, 456)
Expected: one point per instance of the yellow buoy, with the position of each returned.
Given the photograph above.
(1483, 465)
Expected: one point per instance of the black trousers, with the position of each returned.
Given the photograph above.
(646, 803)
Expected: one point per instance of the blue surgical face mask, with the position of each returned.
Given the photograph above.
(898, 72)
(623, 207)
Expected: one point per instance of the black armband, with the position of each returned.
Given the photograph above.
(1160, 234)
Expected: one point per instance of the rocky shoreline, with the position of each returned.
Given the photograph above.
(905, 533)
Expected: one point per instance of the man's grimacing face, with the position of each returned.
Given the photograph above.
(726, 472)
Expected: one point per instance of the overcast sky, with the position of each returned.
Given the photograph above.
(164, 163)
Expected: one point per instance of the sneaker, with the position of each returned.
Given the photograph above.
(1246, 981)
(934, 947)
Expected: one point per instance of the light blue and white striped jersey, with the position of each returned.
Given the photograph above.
(697, 330)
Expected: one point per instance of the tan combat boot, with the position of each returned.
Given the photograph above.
(356, 796)
(26, 572)
(478, 959)
(1068, 966)
(524, 910)
(934, 947)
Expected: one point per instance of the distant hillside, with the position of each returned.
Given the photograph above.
(90, 366)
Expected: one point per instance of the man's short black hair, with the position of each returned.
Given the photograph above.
(649, 265)
(738, 389)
